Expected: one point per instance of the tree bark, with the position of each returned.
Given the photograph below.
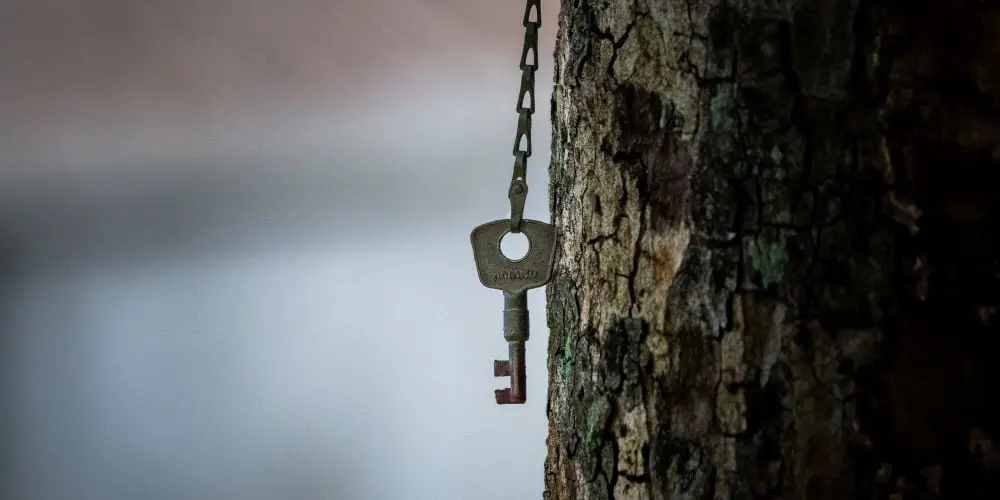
(778, 272)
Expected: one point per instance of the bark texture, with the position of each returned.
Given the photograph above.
(779, 265)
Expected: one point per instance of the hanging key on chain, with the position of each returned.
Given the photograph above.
(515, 277)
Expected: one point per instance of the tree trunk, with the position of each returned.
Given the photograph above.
(778, 269)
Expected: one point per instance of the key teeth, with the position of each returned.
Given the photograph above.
(501, 368)
(507, 397)
(503, 396)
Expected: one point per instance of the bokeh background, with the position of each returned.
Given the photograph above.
(234, 250)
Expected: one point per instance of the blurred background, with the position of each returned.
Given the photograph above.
(234, 250)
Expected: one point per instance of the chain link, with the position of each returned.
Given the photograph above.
(522, 139)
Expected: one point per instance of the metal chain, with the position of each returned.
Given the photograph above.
(529, 63)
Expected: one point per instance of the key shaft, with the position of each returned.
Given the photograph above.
(516, 333)
(515, 316)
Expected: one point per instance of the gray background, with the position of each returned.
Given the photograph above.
(235, 256)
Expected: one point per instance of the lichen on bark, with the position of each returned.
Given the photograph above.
(776, 219)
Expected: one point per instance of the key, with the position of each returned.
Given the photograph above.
(514, 278)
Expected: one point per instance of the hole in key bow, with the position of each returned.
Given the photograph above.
(514, 246)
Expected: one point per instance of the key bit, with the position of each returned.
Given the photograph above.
(514, 368)
(515, 332)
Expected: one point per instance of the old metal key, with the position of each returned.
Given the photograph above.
(514, 278)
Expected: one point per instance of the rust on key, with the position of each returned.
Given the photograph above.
(513, 368)
(515, 332)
